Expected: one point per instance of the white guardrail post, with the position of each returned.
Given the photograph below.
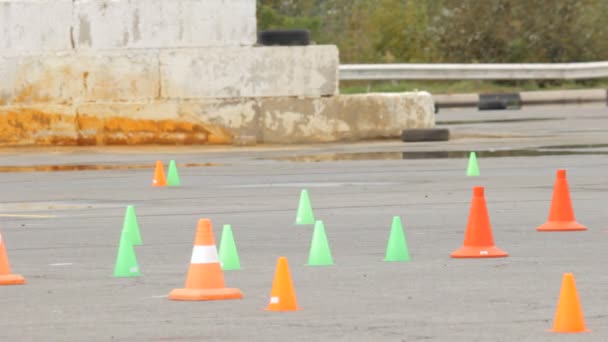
(533, 71)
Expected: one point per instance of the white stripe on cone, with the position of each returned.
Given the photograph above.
(204, 255)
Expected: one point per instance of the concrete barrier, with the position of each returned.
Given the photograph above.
(139, 75)
(31, 27)
(249, 72)
(282, 120)
(35, 27)
(83, 72)
(344, 117)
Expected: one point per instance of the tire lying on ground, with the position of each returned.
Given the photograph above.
(425, 134)
(284, 37)
(499, 101)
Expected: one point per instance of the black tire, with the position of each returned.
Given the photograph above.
(284, 37)
(425, 134)
(499, 101)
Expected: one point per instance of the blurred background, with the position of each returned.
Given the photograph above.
(451, 31)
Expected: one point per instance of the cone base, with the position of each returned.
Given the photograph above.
(561, 226)
(479, 252)
(275, 308)
(396, 259)
(205, 294)
(568, 331)
(12, 279)
(129, 275)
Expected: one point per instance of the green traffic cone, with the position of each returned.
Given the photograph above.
(396, 249)
(173, 175)
(126, 261)
(131, 227)
(473, 168)
(305, 215)
(319, 255)
(228, 255)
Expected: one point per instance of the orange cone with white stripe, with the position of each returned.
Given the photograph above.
(205, 280)
(6, 278)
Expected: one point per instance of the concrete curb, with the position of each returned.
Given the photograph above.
(528, 98)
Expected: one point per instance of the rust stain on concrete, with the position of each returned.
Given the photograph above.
(30, 94)
(26, 126)
(23, 126)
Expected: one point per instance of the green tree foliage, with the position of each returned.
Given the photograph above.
(429, 31)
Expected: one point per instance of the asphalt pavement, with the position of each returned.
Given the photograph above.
(62, 230)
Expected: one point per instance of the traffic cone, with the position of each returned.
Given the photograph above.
(569, 315)
(561, 214)
(173, 175)
(478, 240)
(396, 249)
(6, 278)
(205, 280)
(320, 254)
(228, 254)
(131, 227)
(473, 168)
(282, 295)
(305, 215)
(126, 261)
(159, 175)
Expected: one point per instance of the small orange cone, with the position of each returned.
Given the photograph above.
(282, 295)
(6, 278)
(478, 240)
(561, 215)
(569, 315)
(205, 279)
(159, 175)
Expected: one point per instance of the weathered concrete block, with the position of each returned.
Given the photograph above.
(344, 117)
(102, 24)
(226, 118)
(72, 78)
(40, 80)
(30, 27)
(39, 124)
(206, 73)
(128, 124)
(281, 120)
(296, 70)
(125, 76)
(249, 72)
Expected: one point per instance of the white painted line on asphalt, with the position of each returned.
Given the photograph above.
(62, 264)
(27, 216)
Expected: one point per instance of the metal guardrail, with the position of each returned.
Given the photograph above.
(533, 71)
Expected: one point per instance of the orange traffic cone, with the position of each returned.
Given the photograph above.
(159, 175)
(561, 215)
(6, 278)
(282, 295)
(478, 240)
(569, 315)
(205, 279)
